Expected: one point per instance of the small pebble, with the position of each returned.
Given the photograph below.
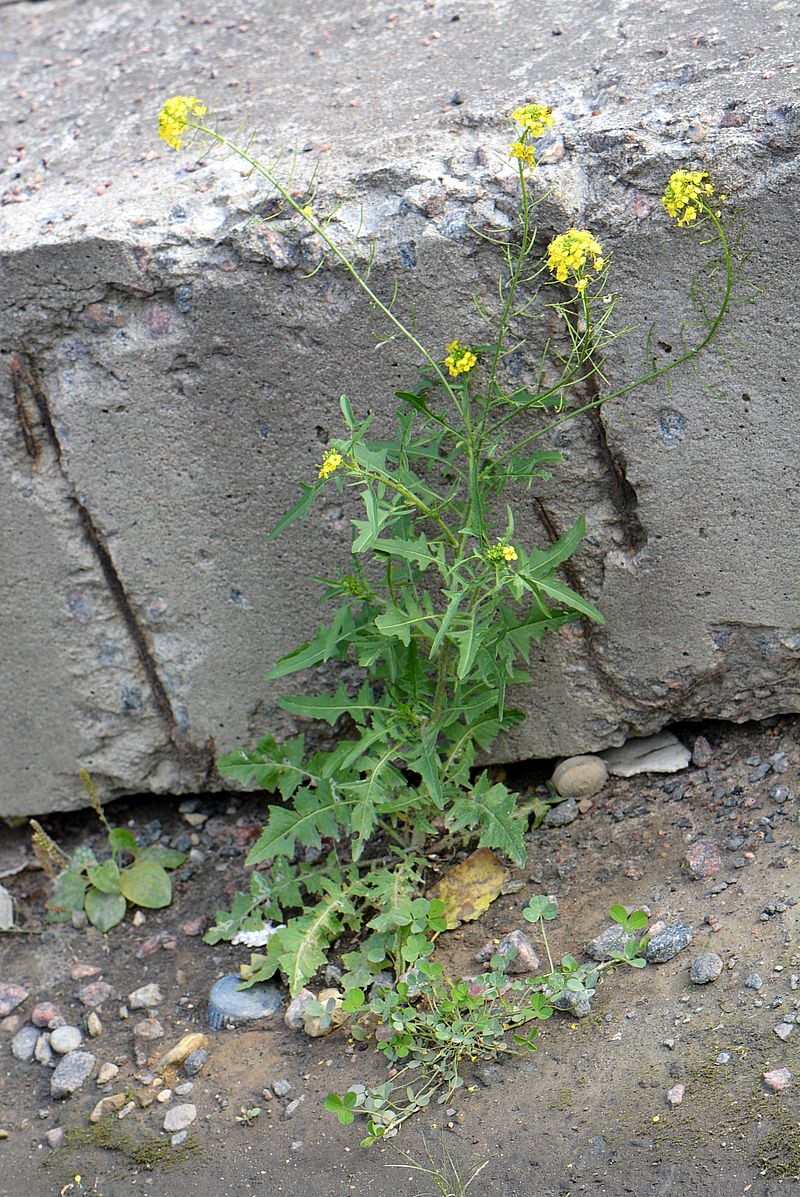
(11, 996)
(702, 753)
(107, 1105)
(563, 814)
(293, 1107)
(580, 776)
(43, 1014)
(281, 1088)
(293, 1018)
(149, 1029)
(23, 1045)
(179, 1138)
(164, 1095)
(753, 981)
(185, 1089)
(107, 1073)
(139, 919)
(179, 1118)
(195, 1061)
(127, 1109)
(94, 1025)
(55, 1137)
(65, 1039)
(705, 968)
(783, 1030)
(703, 859)
(517, 946)
(43, 1052)
(668, 942)
(82, 972)
(72, 1073)
(675, 1095)
(724, 1058)
(94, 994)
(778, 1079)
(145, 998)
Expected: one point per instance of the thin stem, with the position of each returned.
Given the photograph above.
(334, 248)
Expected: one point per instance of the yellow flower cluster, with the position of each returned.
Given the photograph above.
(568, 254)
(173, 117)
(686, 192)
(526, 154)
(460, 359)
(502, 551)
(331, 460)
(534, 118)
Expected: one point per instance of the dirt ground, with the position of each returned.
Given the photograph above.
(587, 1113)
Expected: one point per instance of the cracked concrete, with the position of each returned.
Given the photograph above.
(169, 376)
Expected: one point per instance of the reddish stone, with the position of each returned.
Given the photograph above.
(703, 859)
(194, 926)
(81, 972)
(151, 945)
(11, 996)
(44, 1013)
(778, 1079)
(94, 994)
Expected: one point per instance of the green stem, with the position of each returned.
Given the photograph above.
(662, 370)
(335, 250)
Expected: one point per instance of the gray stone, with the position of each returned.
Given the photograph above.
(705, 968)
(65, 1039)
(107, 1072)
(43, 1052)
(11, 996)
(179, 1138)
(295, 1011)
(563, 814)
(668, 942)
(613, 939)
(517, 946)
(55, 1137)
(228, 1005)
(754, 981)
(138, 295)
(72, 1073)
(580, 776)
(702, 753)
(783, 1030)
(294, 1106)
(195, 1061)
(145, 998)
(184, 1089)
(6, 909)
(663, 753)
(23, 1045)
(149, 1028)
(572, 1003)
(281, 1087)
(179, 1118)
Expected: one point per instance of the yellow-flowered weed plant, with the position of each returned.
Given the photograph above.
(440, 604)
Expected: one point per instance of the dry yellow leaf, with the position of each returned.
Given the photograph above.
(470, 887)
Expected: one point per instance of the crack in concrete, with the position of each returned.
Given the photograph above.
(32, 407)
(621, 492)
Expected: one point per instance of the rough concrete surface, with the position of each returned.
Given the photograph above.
(168, 375)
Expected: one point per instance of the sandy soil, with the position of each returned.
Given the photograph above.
(587, 1113)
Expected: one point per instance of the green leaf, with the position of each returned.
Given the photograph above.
(469, 643)
(69, 894)
(105, 877)
(145, 883)
(569, 598)
(104, 910)
(452, 607)
(122, 840)
(540, 907)
(491, 809)
(168, 858)
(299, 511)
(418, 551)
(315, 813)
(394, 622)
(543, 561)
(637, 920)
(329, 641)
(331, 706)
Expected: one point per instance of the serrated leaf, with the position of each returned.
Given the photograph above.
(569, 598)
(300, 946)
(418, 551)
(543, 561)
(105, 877)
(331, 706)
(394, 622)
(145, 883)
(491, 809)
(315, 813)
(104, 910)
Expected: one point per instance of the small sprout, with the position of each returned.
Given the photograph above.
(247, 1114)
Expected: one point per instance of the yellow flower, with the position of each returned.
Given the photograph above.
(173, 117)
(581, 285)
(534, 118)
(331, 460)
(502, 551)
(460, 359)
(520, 149)
(568, 254)
(686, 194)
(307, 210)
